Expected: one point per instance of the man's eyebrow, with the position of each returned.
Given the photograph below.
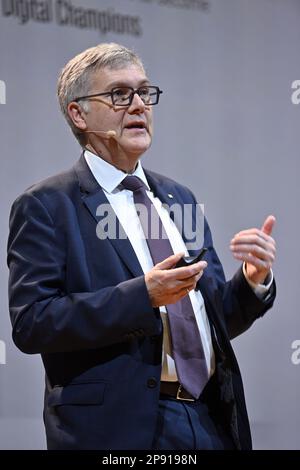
(125, 83)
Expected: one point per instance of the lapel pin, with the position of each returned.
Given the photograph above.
(170, 196)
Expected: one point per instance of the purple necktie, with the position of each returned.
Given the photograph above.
(187, 347)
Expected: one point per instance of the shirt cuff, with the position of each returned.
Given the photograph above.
(260, 290)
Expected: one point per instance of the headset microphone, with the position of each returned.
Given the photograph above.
(110, 134)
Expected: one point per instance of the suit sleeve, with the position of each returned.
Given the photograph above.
(45, 318)
(240, 305)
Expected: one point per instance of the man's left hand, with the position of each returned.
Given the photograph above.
(257, 249)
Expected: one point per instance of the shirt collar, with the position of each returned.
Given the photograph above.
(108, 176)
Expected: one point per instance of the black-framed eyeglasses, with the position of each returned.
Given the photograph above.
(123, 95)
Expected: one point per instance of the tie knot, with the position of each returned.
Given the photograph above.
(133, 183)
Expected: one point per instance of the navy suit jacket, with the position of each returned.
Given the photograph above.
(82, 303)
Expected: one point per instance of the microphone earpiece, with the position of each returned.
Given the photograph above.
(111, 134)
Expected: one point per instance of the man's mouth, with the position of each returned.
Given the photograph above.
(136, 125)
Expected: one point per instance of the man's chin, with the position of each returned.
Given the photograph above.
(137, 147)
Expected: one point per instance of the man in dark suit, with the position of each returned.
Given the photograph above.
(92, 301)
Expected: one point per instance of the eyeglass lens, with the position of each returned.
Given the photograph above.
(123, 95)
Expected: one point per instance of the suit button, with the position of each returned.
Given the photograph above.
(152, 382)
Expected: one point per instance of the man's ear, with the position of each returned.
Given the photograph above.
(77, 115)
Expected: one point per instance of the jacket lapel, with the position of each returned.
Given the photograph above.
(179, 213)
(164, 192)
(93, 196)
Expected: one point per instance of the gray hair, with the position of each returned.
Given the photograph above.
(75, 77)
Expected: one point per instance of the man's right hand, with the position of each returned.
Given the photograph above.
(167, 284)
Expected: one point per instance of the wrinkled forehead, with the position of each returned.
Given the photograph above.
(106, 78)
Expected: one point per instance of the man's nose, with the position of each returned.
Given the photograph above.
(137, 104)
